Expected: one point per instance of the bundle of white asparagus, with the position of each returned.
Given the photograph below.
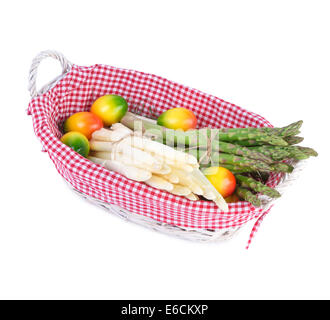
(141, 159)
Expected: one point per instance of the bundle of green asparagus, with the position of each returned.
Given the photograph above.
(249, 153)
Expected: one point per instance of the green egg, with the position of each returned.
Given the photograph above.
(76, 141)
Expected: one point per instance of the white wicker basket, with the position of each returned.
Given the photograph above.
(186, 233)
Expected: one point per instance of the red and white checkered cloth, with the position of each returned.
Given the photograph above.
(82, 86)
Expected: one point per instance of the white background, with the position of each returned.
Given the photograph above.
(271, 57)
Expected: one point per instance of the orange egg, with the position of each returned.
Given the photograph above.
(178, 118)
(76, 141)
(222, 179)
(110, 108)
(83, 122)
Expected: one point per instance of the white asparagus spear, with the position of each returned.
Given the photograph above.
(209, 188)
(209, 195)
(160, 149)
(159, 183)
(111, 135)
(102, 135)
(133, 153)
(118, 135)
(119, 126)
(175, 164)
(165, 169)
(186, 168)
(172, 177)
(129, 172)
(187, 180)
(197, 186)
(192, 197)
(205, 185)
(106, 155)
(130, 161)
(163, 159)
(129, 115)
(120, 131)
(180, 190)
(96, 145)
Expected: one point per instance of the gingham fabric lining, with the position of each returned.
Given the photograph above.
(82, 86)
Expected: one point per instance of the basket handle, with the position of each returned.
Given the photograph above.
(65, 63)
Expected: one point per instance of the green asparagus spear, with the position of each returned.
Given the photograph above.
(285, 132)
(237, 169)
(216, 158)
(297, 154)
(282, 167)
(290, 130)
(278, 153)
(250, 143)
(239, 134)
(293, 140)
(257, 186)
(226, 147)
(308, 151)
(247, 195)
(275, 152)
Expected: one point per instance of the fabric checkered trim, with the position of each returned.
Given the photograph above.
(82, 86)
